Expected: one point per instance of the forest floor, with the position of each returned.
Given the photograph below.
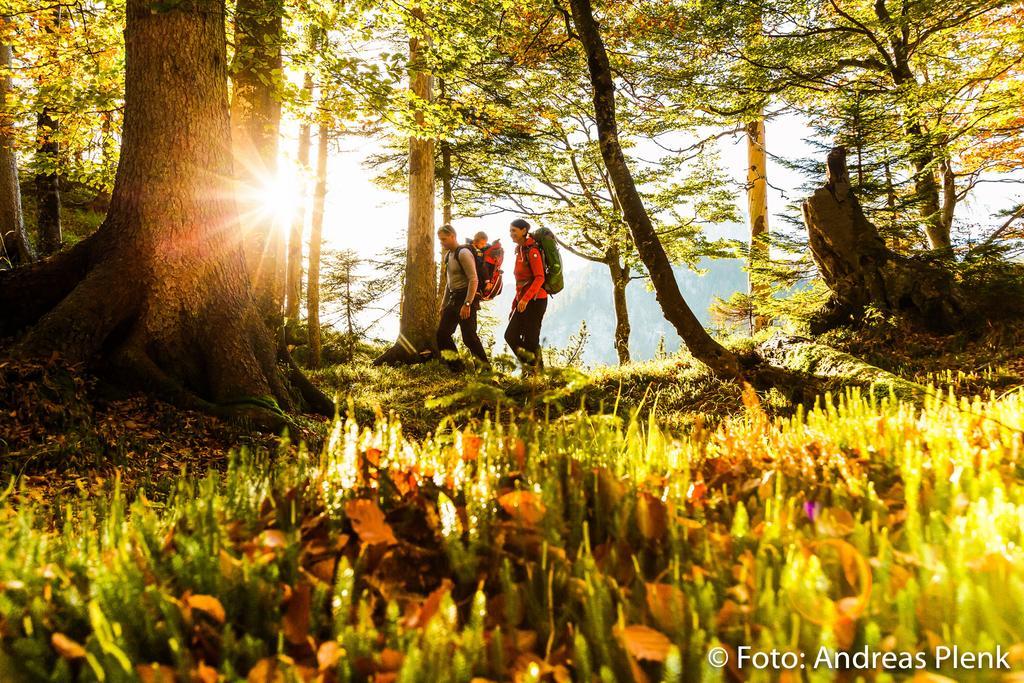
(494, 529)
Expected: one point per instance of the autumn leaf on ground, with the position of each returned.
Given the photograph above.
(67, 648)
(369, 523)
(651, 516)
(524, 506)
(208, 605)
(429, 606)
(296, 618)
(155, 673)
(667, 604)
(644, 642)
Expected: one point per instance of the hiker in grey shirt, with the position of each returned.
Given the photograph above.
(460, 299)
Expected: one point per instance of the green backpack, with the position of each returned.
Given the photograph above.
(553, 281)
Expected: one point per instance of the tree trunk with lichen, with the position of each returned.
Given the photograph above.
(159, 297)
(705, 349)
(862, 271)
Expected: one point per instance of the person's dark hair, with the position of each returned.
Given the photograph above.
(521, 224)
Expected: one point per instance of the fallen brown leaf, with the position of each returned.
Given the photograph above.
(644, 642)
(368, 521)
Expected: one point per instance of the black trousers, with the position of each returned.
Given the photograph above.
(523, 332)
(450, 320)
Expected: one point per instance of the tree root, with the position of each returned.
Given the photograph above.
(799, 355)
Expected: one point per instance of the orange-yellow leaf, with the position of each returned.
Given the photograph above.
(208, 605)
(524, 506)
(651, 516)
(667, 605)
(328, 655)
(368, 521)
(67, 648)
(644, 642)
(296, 618)
(266, 670)
(204, 673)
(430, 606)
(155, 673)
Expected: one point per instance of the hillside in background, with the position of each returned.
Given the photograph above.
(588, 296)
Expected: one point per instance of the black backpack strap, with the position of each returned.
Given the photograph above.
(463, 246)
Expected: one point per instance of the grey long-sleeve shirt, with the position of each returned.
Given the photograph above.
(463, 277)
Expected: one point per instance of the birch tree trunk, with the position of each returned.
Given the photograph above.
(757, 207)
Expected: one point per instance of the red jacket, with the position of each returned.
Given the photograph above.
(529, 272)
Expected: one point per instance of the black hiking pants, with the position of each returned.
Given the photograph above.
(450, 320)
(523, 332)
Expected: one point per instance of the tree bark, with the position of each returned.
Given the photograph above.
(293, 293)
(316, 232)
(47, 179)
(418, 320)
(446, 208)
(256, 122)
(757, 207)
(701, 345)
(48, 184)
(620, 280)
(14, 245)
(861, 270)
(159, 296)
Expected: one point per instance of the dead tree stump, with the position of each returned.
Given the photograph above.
(862, 271)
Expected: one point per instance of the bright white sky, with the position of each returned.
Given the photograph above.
(361, 216)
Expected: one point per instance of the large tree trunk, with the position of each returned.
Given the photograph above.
(757, 207)
(293, 293)
(159, 296)
(14, 245)
(620, 280)
(316, 232)
(256, 123)
(860, 270)
(701, 345)
(418, 321)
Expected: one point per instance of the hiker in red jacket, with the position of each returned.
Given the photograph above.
(523, 332)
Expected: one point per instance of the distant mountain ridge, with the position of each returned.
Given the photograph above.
(588, 296)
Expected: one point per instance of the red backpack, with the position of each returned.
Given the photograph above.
(490, 275)
(488, 268)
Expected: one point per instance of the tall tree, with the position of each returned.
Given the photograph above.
(256, 122)
(160, 292)
(315, 243)
(418, 318)
(757, 210)
(47, 162)
(721, 361)
(14, 245)
(293, 288)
